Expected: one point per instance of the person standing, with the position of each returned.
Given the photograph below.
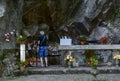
(42, 50)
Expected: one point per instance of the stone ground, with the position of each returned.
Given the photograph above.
(57, 73)
(65, 77)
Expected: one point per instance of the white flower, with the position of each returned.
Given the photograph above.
(116, 57)
(7, 40)
(11, 33)
(21, 36)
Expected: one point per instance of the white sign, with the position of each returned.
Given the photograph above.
(65, 41)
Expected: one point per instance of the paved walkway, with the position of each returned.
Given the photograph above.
(65, 77)
(75, 74)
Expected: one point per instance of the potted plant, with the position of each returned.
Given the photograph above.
(22, 65)
(104, 40)
(21, 39)
(82, 39)
(92, 60)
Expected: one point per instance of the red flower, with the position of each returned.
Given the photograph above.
(104, 40)
(7, 37)
(89, 63)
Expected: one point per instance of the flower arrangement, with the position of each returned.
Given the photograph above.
(116, 57)
(93, 62)
(82, 37)
(21, 38)
(69, 59)
(104, 40)
(117, 60)
(7, 37)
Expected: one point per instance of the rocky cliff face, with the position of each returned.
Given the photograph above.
(57, 17)
(10, 21)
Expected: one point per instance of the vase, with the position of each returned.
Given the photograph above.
(116, 63)
(69, 64)
(82, 42)
(22, 68)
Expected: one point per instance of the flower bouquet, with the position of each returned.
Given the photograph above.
(21, 39)
(69, 59)
(117, 59)
(104, 40)
(7, 37)
(93, 62)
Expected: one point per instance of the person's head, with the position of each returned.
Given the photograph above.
(42, 33)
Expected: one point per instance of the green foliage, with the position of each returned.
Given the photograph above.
(2, 64)
(94, 60)
(2, 56)
(91, 59)
(22, 63)
(83, 37)
(89, 53)
(21, 38)
(115, 14)
(99, 0)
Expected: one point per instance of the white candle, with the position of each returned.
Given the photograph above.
(22, 52)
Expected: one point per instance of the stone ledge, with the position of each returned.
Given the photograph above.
(88, 47)
(63, 70)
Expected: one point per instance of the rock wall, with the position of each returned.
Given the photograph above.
(65, 17)
(62, 17)
(10, 20)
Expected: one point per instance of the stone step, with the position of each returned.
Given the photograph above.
(63, 70)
